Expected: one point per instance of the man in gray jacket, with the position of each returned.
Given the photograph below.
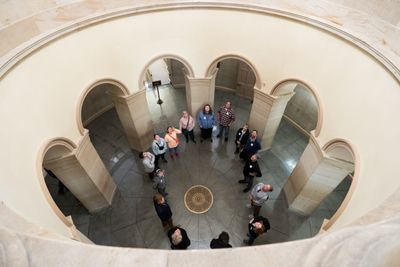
(148, 163)
(259, 195)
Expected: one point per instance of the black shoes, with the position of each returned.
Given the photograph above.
(241, 181)
(218, 136)
(246, 190)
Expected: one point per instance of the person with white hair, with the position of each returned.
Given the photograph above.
(148, 161)
(258, 196)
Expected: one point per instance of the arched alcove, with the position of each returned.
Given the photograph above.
(143, 76)
(52, 150)
(214, 65)
(235, 76)
(98, 108)
(343, 150)
(171, 71)
(304, 109)
(235, 81)
(96, 98)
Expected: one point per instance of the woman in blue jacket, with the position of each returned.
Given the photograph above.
(206, 120)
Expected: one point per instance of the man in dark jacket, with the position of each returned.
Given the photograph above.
(250, 170)
(242, 136)
(178, 238)
(221, 242)
(163, 210)
(252, 146)
(257, 226)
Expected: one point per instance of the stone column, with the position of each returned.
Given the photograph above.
(314, 177)
(266, 114)
(199, 91)
(84, 174)
(134, 114)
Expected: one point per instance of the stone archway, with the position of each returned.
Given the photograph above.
(81, 170)
(110, 86)
(317, 173)
(289, 86)
(53, 149)
(343, 150)
(132, 110)
(173, 72)
(188, 69)
(212, 68)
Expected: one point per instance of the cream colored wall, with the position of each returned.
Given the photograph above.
(39, 100)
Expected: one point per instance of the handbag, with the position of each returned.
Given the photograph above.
(185, 130)
(160, 147)
(214, 128)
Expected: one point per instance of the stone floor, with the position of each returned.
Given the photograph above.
(131, 220)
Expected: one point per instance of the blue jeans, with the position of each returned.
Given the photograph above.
(173, 150)
(252, 237)
(223, 129)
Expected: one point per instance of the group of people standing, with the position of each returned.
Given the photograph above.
(247, 146)
(178, 236)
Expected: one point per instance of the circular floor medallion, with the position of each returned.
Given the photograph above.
(198, 199)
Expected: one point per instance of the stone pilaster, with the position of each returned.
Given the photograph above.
(266, 114)
(84, 174)
(199, 91)
(133, 111)
(314, 177)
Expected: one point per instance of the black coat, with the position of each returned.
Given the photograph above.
(185, 239)
(251, 167)
(163, 211)
(245, 137)
(252, 146)
(217, 243)
(262, 220)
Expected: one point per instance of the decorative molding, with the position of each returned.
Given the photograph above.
(12, 57)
